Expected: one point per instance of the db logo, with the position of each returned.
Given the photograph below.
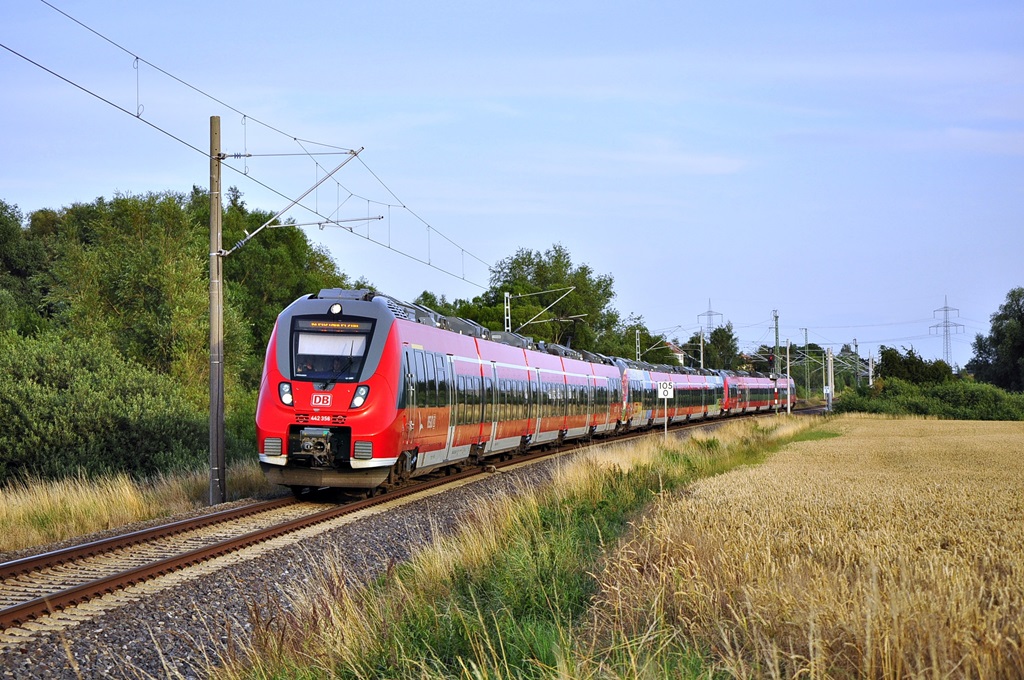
(320, 400)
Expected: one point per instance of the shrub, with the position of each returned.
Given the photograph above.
(960, 400)
(75, 407)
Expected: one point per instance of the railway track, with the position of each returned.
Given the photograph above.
(36, 586)
(33, 587)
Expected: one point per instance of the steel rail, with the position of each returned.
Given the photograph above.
(48, 604)
(76, 595)
(32, 563)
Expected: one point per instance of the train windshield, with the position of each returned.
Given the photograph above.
(329, 352)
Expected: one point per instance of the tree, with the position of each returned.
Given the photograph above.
(438, 304)
(111, 298)
(578, 319)
(622, 342)
(999, 356)
(538, 280)
(132, 271)
(911, 367)
(721, 348)
(582, 319)
(266, 275)
(23, 259)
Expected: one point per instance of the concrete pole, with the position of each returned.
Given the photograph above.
(218, 481)
(789, 407)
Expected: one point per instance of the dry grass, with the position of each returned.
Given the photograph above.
(466, 602)
(41, 512)
(894, 551)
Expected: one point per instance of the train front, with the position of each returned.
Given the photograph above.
(328, 413)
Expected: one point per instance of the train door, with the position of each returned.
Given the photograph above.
(536, 412)
(410, 423)
(464, 431)
(491, 405)
(446, 397)
(431, 413)
(596, 414)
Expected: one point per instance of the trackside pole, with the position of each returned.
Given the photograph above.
(218, 482)
(666, 390)
(789, 368)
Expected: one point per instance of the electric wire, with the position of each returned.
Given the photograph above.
(169, 75)
(103, 99)
(338, 150)
(246, 117)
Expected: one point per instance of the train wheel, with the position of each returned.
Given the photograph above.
(399, 474)
(301, 492)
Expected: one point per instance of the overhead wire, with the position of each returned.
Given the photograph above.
(301, 142)
(166, 73)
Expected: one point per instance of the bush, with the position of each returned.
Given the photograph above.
(75, 407)
(959, 400)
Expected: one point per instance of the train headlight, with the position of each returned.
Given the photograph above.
(359, 398)
(284, 390)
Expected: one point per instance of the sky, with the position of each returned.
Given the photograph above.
(857, 168)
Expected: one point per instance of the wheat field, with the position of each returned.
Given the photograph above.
(895, 550)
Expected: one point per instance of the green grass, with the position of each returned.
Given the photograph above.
(815, 435)
(510, 597)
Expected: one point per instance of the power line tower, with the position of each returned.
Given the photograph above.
(711, 326)
(946, 325)
(711, 317)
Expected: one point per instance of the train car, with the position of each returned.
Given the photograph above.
(361, 391)
(744, 392)
(755, 392)
(785, 393)
(332, 389)
(698, 394)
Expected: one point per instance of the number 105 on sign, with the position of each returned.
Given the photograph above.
(666, 390)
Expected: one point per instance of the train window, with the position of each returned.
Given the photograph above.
(503, 400)
(431, 381)
(519, 396)
(422, 389)
(330, 356)
(488, 411)
(477, 414)
(532, 400)
(529, 394)
(404, 376)
(441, 362)
(472, 401)
(515, 399)
(460, 400)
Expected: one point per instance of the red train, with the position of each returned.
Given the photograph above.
(361, 391)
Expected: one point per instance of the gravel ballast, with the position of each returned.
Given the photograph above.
(176, 631)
